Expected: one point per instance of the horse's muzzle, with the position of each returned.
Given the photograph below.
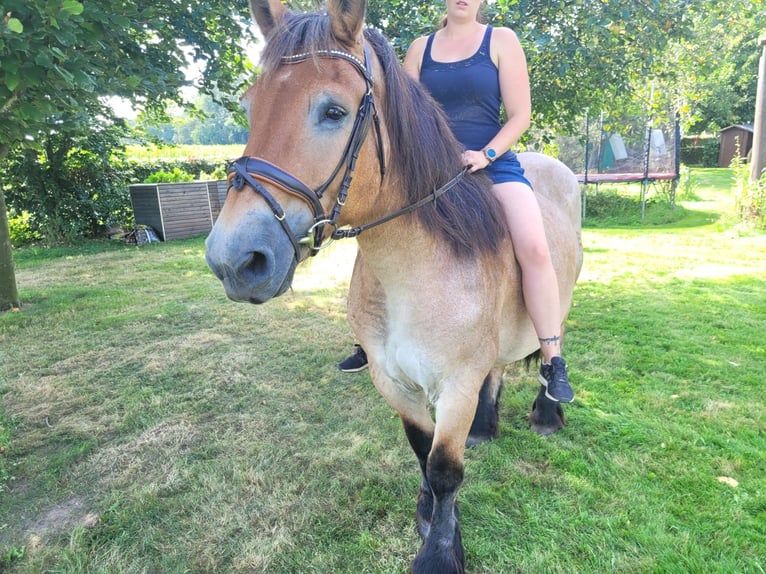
(252, 269)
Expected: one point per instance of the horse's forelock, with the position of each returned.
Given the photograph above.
(297, 33)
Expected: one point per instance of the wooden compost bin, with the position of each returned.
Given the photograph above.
(178, 210)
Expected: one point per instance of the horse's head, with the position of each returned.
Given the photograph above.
(309, 112)
(314, 125)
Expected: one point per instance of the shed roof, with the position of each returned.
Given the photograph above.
(746, 127)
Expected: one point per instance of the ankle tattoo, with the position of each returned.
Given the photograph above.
(549, 340)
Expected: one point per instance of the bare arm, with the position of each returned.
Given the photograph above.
(414, 58)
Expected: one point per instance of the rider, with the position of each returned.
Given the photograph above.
(471, 69)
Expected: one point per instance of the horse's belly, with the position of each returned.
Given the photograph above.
(518, 343)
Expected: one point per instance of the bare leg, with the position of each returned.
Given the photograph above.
(539, 282)
(538, 278)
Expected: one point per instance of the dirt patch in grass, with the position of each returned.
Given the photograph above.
(53, 520)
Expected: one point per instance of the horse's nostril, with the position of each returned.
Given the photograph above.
(256, 264)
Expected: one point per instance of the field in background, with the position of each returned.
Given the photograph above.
(148, 424)
(146, 153)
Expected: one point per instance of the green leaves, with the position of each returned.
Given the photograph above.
(60, 57)
(72, 7)
(600, 54)
(14, 25)
(11, 81)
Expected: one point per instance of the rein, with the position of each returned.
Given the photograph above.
(253, 170)
(431, 197)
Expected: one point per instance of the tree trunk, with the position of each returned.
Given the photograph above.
(758, 163)
(9, 296)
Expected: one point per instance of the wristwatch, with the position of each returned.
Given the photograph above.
(490, 154)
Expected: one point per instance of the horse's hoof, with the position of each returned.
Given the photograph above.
(436, 557)
(547, 417)
(545, 430)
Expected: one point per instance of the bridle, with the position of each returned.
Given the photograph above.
(253, 170)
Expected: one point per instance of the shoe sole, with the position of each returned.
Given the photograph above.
(356, 370)
(544, 383)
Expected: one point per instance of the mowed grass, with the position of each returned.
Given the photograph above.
(148, 424)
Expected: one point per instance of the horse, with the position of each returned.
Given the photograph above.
(344, 144)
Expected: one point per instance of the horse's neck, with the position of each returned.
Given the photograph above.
(399, 253)
(406, 259)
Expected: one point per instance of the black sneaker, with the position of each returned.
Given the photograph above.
(555, 380)
(355, 362)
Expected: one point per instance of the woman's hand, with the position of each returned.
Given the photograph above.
(474, 160)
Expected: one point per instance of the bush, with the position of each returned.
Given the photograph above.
(175, 176)
(710, 149)
(609, 204)
(68, 184)
(22, 232)
(612, 208)
(219, 173)
(750, 196)
(700, 150)
(132, 171)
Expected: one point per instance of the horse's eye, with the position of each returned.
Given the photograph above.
(335, 113)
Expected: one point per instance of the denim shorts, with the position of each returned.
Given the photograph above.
(506, 168)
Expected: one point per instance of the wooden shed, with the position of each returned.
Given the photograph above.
(178, 210)
(731, 137)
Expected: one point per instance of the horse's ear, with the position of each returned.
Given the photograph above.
(267, 13)
(347, 17)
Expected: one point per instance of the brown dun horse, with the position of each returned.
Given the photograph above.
(344, 144)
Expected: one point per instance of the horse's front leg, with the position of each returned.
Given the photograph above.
(421, 440)
(438, 518)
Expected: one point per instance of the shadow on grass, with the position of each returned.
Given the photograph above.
(615, 211)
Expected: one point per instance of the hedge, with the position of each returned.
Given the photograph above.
(700, 150)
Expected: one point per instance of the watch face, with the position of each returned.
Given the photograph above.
(491, 153)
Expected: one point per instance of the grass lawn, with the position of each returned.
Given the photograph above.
(149, 425)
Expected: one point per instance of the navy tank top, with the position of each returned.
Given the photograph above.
(468, 91)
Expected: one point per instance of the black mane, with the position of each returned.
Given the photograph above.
(424, 154)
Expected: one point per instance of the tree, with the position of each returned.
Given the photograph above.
(70, 186)
(60, 58)
(213, 124)
(581, 53)
(610, 54)
(713, 70)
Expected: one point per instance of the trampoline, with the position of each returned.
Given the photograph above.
(625, 150)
